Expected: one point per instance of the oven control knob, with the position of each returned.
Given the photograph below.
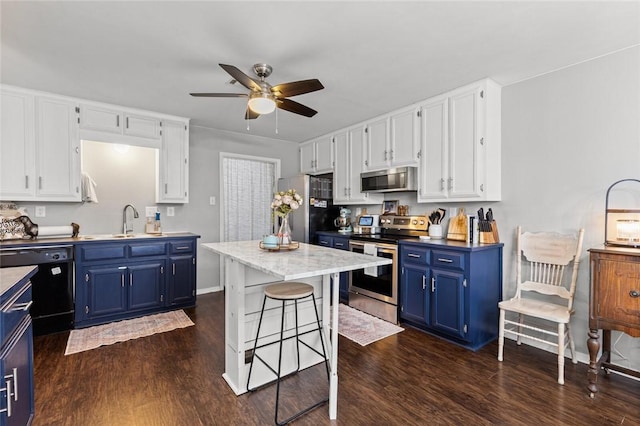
(422, 222)
(415, 222)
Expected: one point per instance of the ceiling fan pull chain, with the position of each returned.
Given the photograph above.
(276, 121)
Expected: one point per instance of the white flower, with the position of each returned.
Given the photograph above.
(286, 201)
(294, 205)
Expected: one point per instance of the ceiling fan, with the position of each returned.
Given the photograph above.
(264, 98)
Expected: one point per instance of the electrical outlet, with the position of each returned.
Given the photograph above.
(41, 211)
(212, 201)
(150, 211)
(171, 211)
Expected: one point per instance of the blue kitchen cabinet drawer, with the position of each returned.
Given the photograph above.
(412, 254)
(103, 252)
(447, 259)
(153, 249)
(325, 240)
(341, 243)
(15, 309)
(186, 246)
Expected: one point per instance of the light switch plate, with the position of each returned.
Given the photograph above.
(171, 211)
(41, 211)
(212, 201)
(150, 211)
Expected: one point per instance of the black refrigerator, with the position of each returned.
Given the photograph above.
(317, 213)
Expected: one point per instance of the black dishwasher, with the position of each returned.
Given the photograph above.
(52, 285)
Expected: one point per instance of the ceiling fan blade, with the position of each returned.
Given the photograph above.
(250, 114)
(220, 95)
(295, 88)
(241, 77)
(295, 107)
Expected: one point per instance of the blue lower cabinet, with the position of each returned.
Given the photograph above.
(452, 291)
(119, 280)
(340, 242)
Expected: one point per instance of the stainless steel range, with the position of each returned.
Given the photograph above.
(375, 290)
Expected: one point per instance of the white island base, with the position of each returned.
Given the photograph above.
(248, 269)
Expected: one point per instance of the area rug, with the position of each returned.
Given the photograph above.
(121, 331)
(363, 328)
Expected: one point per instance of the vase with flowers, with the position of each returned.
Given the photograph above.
(284, 202)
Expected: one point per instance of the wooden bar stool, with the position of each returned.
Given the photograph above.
(288, 291)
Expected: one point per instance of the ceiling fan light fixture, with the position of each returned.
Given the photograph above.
(262, 103)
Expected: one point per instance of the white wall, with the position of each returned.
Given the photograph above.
(566, 137)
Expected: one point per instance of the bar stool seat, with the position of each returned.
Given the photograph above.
(288, 291)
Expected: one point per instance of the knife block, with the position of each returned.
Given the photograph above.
(490, 237)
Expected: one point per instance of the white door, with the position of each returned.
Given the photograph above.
(433, 178)
(17, 150)
(464, 144)
(377, 144)
(307, 157)
(324, 155)
(341, 174)
(404, 138)
(173, 168)
(57, 150)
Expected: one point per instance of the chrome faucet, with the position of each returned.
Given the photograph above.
(125, 224)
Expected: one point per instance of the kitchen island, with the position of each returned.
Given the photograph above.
(247, 269)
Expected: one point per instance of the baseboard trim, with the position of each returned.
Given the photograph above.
(208, 290)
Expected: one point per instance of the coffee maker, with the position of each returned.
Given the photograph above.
(343, 222)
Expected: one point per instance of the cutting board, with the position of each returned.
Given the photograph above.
(458, 227)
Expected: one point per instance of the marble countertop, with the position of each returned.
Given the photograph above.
(11, 276)
(92, 238)
(307, 261)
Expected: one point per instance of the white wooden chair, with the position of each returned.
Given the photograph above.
(546, 256)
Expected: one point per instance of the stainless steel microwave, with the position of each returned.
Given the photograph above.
(390, 180)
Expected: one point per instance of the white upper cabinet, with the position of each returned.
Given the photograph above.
(460, 145)
(173, 163)
(316, 157)
(40, 153)
(392, 141)
(349, 163)
(17, 146)
(108, 123)
(57, 150)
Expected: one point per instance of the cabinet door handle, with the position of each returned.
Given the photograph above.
(413, 255)
(433, 284)
(339, 244)
(21, 306)
(174, 268)
(26, 181)
(445, 260)
(127, 122)
(39, 182)
(130, 279)
(8, 389)
(424, 282)
(15, 384)
(634, 293)
(442, 184)
(122, 280)
(117, 121)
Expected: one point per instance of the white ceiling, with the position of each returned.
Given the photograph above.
(372, 57)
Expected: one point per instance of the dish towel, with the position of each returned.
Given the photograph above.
(89, 189)
(371, 250)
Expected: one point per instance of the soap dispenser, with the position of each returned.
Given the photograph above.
(157, 228)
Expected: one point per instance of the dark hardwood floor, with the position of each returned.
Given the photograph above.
(175, 378)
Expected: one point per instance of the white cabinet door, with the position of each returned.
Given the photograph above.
(341, 174)
(378, 144)
(403, 141)
(173, 167)
(307, 157)
(17, 146)
(324, 155)
(433, 170)
(142, 126)
(464, 144)
(357, 139)
(57, 150)
(94, 117)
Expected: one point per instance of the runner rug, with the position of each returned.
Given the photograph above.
(90, 338)
(363, 328)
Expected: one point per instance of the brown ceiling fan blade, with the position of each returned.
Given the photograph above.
(295, 107)
(250, 114)
(220, 95)
(295, 88)
(241, 77)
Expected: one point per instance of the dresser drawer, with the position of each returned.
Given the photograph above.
(147, 249)
(412, 254)
(14, 310)
(447, 259)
